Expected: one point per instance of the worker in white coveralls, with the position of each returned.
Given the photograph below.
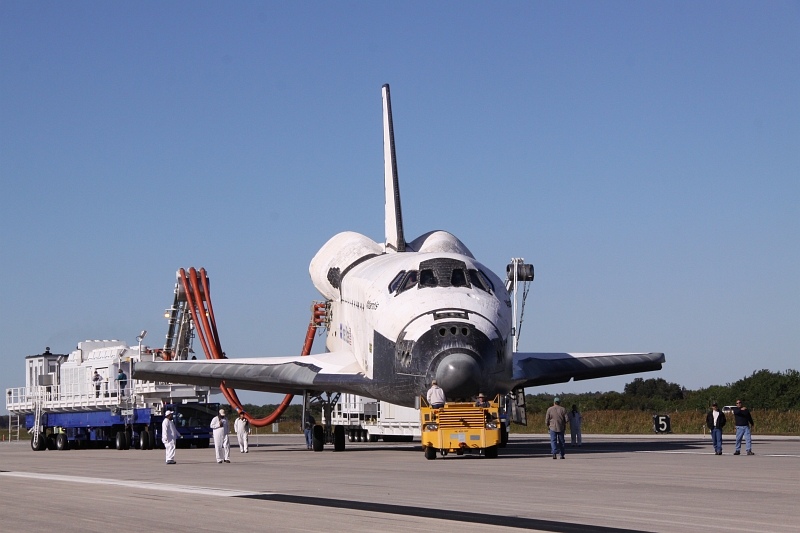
(221, 443)
(575, 421)
(242, 429)
(169, 434)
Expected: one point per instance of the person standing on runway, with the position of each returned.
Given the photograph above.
(242, 429)
(169, 434)
(222, 445)
(556, 421)
(715, 420)
(575, 421)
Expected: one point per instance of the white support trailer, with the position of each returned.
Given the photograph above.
(368, 420)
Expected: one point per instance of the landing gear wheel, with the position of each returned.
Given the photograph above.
(62, 443)
(317, 438)
(338, 438)
(490, 452)
(120, 441)
(503, 435)
(144, 440)
(430, 453)
(38, 442)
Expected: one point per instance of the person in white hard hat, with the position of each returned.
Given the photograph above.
(242, 429)
(221, 443)
(169, 434)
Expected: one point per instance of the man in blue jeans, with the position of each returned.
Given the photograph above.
(556, 421)
(308, 429)
(715, 420)
(743, 422)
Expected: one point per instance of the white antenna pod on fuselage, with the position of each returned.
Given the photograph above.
(395, 240)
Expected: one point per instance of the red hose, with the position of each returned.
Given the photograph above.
(209, 338)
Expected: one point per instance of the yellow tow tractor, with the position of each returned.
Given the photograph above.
(460, 427)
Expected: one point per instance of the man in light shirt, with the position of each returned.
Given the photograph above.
(436, 397)
(715, 420)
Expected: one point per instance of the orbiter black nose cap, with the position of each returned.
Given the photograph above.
(459, 375)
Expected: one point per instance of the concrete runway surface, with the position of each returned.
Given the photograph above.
(611, 483)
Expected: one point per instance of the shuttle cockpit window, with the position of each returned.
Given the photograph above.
(458, 279)
(479, 280)
(427, 278)
(486, 280)
(409, 282)
(396, 281)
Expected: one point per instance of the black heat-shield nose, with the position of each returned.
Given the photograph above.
(459, 375)
(457, 354)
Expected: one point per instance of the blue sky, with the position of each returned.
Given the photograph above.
(645, 157)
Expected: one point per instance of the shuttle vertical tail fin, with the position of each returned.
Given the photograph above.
(393, 213)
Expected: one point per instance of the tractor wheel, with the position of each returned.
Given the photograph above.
(38, 442)
(490, 452)
(317, 438)
(430, 453)
(62, 443)
(338, 438)
(503, 435)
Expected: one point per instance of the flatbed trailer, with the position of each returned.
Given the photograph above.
(121, 428)
(368, 420)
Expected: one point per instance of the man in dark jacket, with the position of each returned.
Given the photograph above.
(715, 420)
(743, 422)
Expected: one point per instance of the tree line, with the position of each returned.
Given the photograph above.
(763, 389)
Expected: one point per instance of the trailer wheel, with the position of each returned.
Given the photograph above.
(120, 440)
(338, 438)
(490, 452)
(151, 436)
(144, 441)
(430, 453)
(317, 438)
(61, 442)
(503, 435)
(38, 444)
(203, 443)
(51, 442)
(373, 438)
(351, 435)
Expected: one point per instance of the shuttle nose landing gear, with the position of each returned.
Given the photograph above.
(325, 433)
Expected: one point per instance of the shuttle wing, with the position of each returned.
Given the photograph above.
(286, 375)
(532, 369)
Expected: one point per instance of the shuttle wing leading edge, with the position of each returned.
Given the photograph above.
(533, 369)
(285, 375)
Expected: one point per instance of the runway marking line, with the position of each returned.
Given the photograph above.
(712, 453)
(147, 485)
(372, 507)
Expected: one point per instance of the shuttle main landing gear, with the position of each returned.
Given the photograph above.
(325, 433)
